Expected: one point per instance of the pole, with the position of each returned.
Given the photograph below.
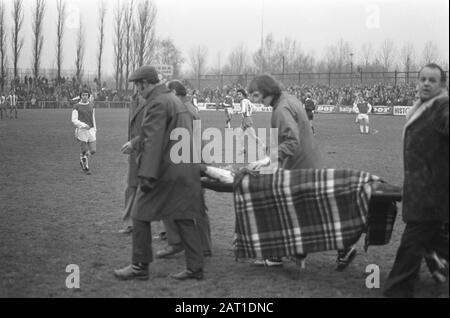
(351, 69)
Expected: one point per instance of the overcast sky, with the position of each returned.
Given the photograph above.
(222, 24)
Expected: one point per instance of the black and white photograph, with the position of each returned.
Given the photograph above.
(209, 151)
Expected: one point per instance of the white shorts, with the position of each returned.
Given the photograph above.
(86, 135)
(363, 118)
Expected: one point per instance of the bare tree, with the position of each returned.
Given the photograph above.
(344, 49)
(79, 59)
(430, 53)
(145, 27)
(331, 58)
(134, 59)
(197, 59)
(38, 38)
(407, 56)
(17, 41)
(265, 58)
(118, 43)
(387, 54)
(238, 60)
(169, 54)
(101, 38)
(60, 24)
(366, 54)
(128, 28)
(2, 45)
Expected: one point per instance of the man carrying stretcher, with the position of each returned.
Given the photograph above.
(297, 148)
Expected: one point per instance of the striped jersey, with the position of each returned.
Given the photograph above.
(246, 108)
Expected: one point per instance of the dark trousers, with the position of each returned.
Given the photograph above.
(416, 240)
(190, 238)
(174, 238)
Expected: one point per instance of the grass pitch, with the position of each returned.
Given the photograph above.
(52, 215)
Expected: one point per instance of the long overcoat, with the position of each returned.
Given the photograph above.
(426, 163)
(176, 192)
(297, 148)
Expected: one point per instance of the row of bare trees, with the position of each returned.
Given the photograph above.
(135, 44)
(287, 56)
(134, 39)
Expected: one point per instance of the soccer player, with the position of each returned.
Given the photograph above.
(310, 107)
(362, 108)
(2, 105)
(228, 104)
(83, 117)
(12, 100)
(247, 122)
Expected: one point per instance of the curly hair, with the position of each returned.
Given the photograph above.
(266, 85)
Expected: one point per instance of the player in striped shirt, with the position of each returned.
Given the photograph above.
(2, 106)
(247, 121)
(83, 118)
(12, 100)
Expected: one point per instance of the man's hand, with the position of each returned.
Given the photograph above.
(258, 164)
(127, 148)
(145, 184)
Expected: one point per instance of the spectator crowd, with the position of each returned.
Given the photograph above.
(377, 94)
(32, 91)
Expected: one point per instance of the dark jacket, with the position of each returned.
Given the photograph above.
(176, 192)
(296, 146)
(426, 156)
(136, 115)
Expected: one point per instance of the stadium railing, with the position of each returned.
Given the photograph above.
(69, 104)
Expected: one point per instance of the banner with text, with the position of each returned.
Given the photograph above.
(326, 109)
(382, 110)
(401, 110)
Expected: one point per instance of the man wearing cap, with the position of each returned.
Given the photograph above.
(175, 245)
(166, 190)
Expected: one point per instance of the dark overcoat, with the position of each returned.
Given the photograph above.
(176, 191)
(136, 115)
(426, 166)
(297, 148)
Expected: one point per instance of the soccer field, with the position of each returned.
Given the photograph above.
(52, 215)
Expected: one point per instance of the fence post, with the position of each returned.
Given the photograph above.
(361, 76)
(221, 82)
(299, 78)
(246, 79)
(395, 78)
(329, 78)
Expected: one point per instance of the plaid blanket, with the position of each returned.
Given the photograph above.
(302, 211)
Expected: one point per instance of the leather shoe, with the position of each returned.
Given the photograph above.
(126, 230)
(188, 274)
(169, 250)
(132, 272)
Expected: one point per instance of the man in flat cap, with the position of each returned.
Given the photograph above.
(166, 190)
